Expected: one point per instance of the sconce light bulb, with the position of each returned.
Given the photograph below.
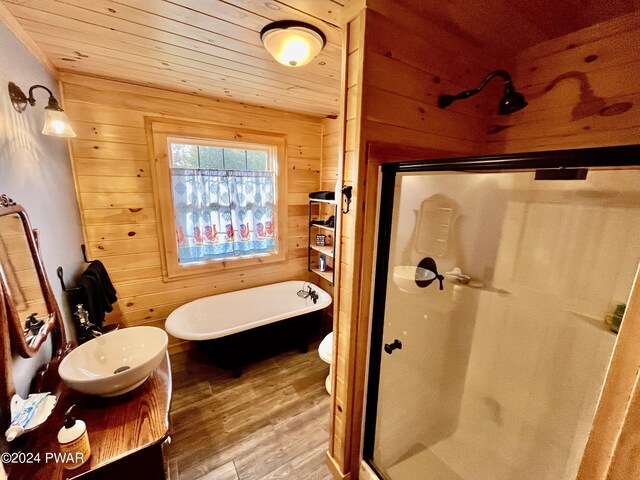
(56, 124)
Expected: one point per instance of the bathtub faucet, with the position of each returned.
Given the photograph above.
(314, 295)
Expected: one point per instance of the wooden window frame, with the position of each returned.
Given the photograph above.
(159, 132)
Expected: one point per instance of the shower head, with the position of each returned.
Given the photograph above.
(511, 102)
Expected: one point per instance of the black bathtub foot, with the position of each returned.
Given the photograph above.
(237, 372)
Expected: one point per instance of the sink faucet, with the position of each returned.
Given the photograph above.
(85, 329)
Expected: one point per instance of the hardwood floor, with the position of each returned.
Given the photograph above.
(271, 423)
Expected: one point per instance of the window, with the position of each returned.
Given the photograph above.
(217, 192)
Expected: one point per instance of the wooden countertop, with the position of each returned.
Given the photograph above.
(117, 426)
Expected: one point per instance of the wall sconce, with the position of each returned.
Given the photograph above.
(56, 123)
(292, 43)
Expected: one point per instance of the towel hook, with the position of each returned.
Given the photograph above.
(346, 192)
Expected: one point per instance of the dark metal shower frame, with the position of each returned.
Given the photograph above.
(598, 157)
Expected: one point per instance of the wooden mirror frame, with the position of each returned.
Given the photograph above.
(54, 324)
(7, 387)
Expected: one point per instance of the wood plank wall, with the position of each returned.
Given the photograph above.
(582, 89)
(391, 98)
(330, 153)
(111, 168)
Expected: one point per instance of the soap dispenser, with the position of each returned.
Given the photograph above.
(74, 441)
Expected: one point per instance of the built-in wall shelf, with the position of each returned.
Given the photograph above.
(328, 251)
(321, 253)
(327, 274)
(323, 227)
(316, 200)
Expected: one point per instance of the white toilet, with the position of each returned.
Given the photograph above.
(325, 350)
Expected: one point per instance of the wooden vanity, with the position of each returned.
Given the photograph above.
(127, 433)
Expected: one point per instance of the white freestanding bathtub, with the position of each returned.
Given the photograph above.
(228, 313)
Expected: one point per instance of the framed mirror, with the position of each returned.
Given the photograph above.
(32, 313)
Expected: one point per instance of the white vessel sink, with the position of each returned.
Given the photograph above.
(114, 363)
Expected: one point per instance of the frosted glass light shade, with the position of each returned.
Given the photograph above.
(293, 44)
(56, 124)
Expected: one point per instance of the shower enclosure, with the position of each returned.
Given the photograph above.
(494, 283)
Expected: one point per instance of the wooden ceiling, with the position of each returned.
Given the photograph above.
(213, 48)
(206, 47)
(503, 28)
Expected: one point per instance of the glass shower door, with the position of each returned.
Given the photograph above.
(491, 345)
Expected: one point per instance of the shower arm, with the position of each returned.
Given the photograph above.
(445, 100)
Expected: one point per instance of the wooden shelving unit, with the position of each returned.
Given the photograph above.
(315, 251)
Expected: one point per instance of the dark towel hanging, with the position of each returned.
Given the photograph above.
(99, 292)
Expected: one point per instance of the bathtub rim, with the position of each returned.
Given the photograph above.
(324, 301)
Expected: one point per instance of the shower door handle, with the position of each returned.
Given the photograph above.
(390, 347)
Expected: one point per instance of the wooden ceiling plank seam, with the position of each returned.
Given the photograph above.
(276, 11)
(88, 18)
(148, 21)
(319, 10)
(85, 28)
(50, 31)
(250, 19)
(18, 30)
(480, 24)
(298, 94)
(200, 20)
(561, 18)
(587, 35)
(251, 40)
(81, 50)
(547, 25)
(193, 18)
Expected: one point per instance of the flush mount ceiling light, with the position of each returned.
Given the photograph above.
(292, 43)
(55, 120)
(511, 102)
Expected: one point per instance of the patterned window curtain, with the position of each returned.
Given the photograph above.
(222, 213)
